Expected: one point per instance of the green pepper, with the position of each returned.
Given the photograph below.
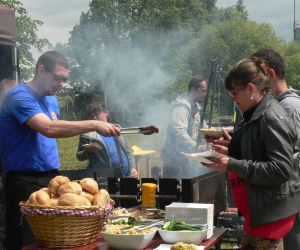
(172, 224)
(166, 225)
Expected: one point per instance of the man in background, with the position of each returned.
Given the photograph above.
(183, 130)
(29, 126)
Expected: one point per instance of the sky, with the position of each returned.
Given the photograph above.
(59, 16)
(279, 13)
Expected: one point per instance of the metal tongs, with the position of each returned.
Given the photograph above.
(143, 227)
(140, 130)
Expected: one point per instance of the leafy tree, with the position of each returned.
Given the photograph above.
(241, 7)
(228, 44)
(119, 45)
(136, 52)
(292, 62)
(228, 41)
(26, 36)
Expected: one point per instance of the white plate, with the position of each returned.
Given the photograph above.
(204, 157)
(168, 247)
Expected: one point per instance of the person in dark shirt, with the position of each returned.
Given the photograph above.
(106, 152)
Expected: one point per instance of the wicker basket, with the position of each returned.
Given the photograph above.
(63, 227)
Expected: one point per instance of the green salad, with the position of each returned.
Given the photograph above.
(180, 225)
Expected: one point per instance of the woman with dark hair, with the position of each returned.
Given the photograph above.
(104, 152)
(260, 159)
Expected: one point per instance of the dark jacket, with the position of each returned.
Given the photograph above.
(267, 146)
(101, 159)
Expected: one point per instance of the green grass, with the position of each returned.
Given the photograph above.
(67, 152)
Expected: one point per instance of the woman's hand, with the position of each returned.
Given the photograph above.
(220, 149)
(223, 141)
(219, 165)
(91, 148)
(133, 173)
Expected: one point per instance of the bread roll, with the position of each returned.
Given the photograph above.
(70, 199)
(89, 185)
(47, 190)
(85, 201)
(70, 187)
(102, 199)
(87, 195)
(54, 201)
(56, 182)
(39, 198)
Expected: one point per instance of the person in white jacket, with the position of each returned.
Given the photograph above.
(183, 130)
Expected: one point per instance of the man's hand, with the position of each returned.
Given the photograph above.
(107, 129)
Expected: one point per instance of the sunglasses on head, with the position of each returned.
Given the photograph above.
(59, 78)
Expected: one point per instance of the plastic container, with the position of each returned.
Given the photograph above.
(148, 194)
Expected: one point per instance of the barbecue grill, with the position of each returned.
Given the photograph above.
(207, 188)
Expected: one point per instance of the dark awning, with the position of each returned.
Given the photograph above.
(8, 34)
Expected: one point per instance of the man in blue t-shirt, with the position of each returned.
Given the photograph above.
(29, 126)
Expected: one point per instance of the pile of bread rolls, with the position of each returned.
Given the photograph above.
(63, 192)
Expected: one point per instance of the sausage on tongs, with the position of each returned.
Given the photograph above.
(140, 130)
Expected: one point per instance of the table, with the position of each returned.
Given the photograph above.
(100, 244)
(140, 154)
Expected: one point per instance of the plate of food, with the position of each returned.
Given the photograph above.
(120, 237)
(212, 132)
(174, 231)
(120, 212)
(179, 246)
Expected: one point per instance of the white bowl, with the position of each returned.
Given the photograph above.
(128, 241)
(194, 237)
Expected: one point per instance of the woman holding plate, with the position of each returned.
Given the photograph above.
(259, 162)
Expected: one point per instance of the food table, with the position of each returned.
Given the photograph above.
(140, 154)
(100, 244)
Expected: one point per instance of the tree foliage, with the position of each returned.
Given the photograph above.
(119, 45)
(228, 45)
(241, 7)
(137, 52)
(27, 37)
(292, 62)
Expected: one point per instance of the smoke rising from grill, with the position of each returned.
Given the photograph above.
(138, 80)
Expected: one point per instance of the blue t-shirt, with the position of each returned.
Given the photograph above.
(22, 148)
(114, 156)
